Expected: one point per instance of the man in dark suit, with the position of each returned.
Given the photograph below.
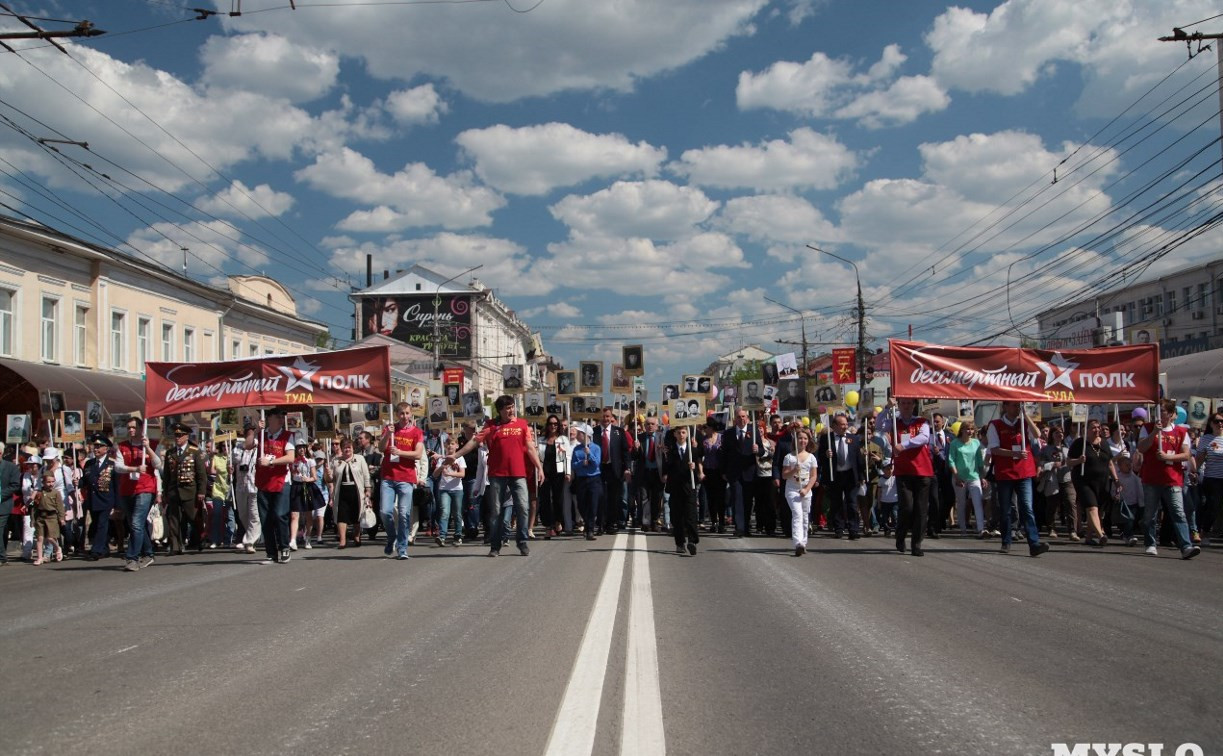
(184, 484)
(942, 492)
(841, 472)
(614, 469)
(648, 455)
(738, 463)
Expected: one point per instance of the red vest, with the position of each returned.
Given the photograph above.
(131, 458)
(404, 440)
(507, 448)
(1158, 473)
(271, 478)
(1010, 468)
(915, 461)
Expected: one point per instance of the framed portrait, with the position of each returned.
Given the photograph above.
(438, 415)
(620, 380)
(535, 405)
(453, 393)
(792, 395)
(370, 412)
(964, 408)
(651, 409)
(95, 415)
(229, 419)
(591, 376)
(343, 416)
(555, 407)
(1199, 411)
(1032, 409)
(472, 406)
(825, 395)
(18, 429)
(688, 411)
(768, 373)
(631, 358)
(416, 398)
(356, 429)
(787, 365)
(57, 403)
(293, 422)
(324, 422)
(44, 402)
(512, 378)
(566, 383)
(670, 391)
(751, 394)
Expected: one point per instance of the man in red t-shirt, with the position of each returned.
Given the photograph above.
(272, 495)
(1010, 440)
(402, 445)
(511, 448)
(1165, 450)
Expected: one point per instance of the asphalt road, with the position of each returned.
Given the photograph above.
(616, 646)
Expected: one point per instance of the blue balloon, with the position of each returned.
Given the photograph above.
(1182, 417)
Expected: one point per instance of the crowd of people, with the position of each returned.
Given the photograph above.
(894, 473)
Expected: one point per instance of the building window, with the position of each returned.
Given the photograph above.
(7, 323)
(188, 344)
(80, 332)
(206, 348)
(50, 322)
(167, 342)
(144, 328)
(118, 340)
(254, 351)
(1172, 302)
(236, 352)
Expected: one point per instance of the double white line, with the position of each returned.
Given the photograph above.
(641, 728)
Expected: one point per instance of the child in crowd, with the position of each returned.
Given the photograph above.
(889, 498)
(48, 517)
(1129, 498)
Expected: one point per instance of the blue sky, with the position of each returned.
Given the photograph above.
(631, 172)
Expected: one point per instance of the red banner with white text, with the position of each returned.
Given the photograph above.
(1086, 376)
(843, 368)
(349, 376)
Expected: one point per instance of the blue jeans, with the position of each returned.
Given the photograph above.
(1153, 499)
(396, 506)
(1027, 519)
(221, 529)
(450, 503)
(498, 487)
(1190, 496)
(274, 517)
(101, 534)
(471, 506)
(138, 543)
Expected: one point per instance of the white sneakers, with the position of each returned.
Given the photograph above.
(1151, 550)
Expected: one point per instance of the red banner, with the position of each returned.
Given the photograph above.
(1104, 375)
(452, 375)
(843, 368)
(349, 376)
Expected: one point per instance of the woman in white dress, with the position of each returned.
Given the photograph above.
(799, 471)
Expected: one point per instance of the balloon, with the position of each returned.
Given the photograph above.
(955, 428)
(713, 393)
(879, 410)
(1139, 414)
(806, 422)
(666, 418)
(851, 398)
(1182, 417)
(819, 427)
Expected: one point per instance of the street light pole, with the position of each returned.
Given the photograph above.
(861, 314)
(803, 322)
(437, 301)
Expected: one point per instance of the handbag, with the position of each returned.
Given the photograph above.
(368, 518)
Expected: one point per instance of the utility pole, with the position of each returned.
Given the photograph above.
(861, 315)
(82, 29)
(1179, 35)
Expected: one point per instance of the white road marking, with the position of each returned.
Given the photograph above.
(125, 650)
(642, 725)
(573, 732)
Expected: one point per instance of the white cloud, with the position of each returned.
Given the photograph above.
(240, 200)
(419, 105)
(808, 159)
(269, 64)
(538, 159)
(492, 54)
(826, 88)
(507, 266)
(650, 209)
(552, 310)
(634, 266)
(776, 217)
(212, 246)
(411, 197)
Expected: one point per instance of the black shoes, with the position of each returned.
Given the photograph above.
(1038, 549)
(918, 552)
(691, 549)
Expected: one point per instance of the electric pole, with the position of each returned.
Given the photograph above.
(1179, 35)
(82, 29)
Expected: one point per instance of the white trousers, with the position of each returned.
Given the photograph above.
(962, 493)
(246, 506)
(800, 516)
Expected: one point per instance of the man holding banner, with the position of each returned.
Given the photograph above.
(1009, 441)
(1165, 449)
(913, 467)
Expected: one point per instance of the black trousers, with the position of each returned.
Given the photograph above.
(613, 499)
(715, 494)
(552, 500)
(764, 494)
(180, 515)
(914, 491)
(684, 514)
(842, 497)
(739, 498)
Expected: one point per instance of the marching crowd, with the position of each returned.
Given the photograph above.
(895, 473)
